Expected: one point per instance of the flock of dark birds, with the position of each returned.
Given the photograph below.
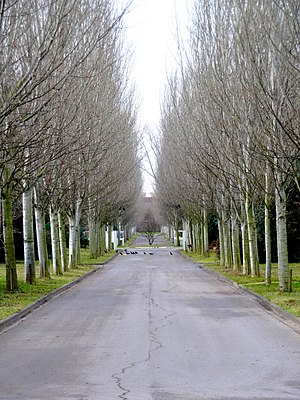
(127, 252)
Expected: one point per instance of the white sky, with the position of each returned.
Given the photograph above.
(151, 32)
(151, 28)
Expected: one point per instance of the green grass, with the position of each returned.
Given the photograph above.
(287, 301)
(13, 302)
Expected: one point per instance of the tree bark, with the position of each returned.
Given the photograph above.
(72, 245)
(254, 263)
(41, 237)
(245, 249)
(226, 240)
(92, 231)
(56, 262)
(205, 233)
(282, 250)
(28, 237)
(268, 226)
(8, 234)
(78, 210)
(177, 232)
(236, 255)
(62, 241)
(221, 243)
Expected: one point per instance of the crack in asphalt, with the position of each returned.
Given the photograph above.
(119, 380)
(155, 344)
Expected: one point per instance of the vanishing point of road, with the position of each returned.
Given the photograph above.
(150, 327)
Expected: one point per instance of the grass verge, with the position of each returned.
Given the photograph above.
(287, 301)
(13, 302)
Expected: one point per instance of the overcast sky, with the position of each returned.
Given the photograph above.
(151, 33)
(151, 28)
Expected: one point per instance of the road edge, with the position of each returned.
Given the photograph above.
(284, 316)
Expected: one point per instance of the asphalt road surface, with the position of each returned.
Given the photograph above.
(150, 327)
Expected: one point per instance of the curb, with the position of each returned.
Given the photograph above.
(13, 319)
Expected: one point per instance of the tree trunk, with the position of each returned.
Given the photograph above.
(226, 241)
(56, 262)
(254, 263)
(41, 237)
(8, 234)
(235, 236)
(92, 231)
(282, 250)
(200, 237)
(102, 246)
(195, 235)
(72, 244)
(177, 233)
(101, 238)
(221, 243)
(78, 210)
(191, 235)
(268, 226)
(205, 233)
(29, 253)
(245, 248)
(62, 241)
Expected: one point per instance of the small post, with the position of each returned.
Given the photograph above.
(30, 274)
(291, 281)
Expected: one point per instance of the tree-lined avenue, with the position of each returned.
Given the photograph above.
(150, 327)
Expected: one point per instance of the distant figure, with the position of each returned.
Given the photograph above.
(190, 246)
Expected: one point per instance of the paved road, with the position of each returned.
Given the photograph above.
(150, 328)
(141, 240)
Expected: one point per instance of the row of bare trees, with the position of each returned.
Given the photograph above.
(230, 135)
(67, 126)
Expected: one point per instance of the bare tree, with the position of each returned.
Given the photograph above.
(226, 125)
(49, 56)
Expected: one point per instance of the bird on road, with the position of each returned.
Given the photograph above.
(171, 253)
(151, 254)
